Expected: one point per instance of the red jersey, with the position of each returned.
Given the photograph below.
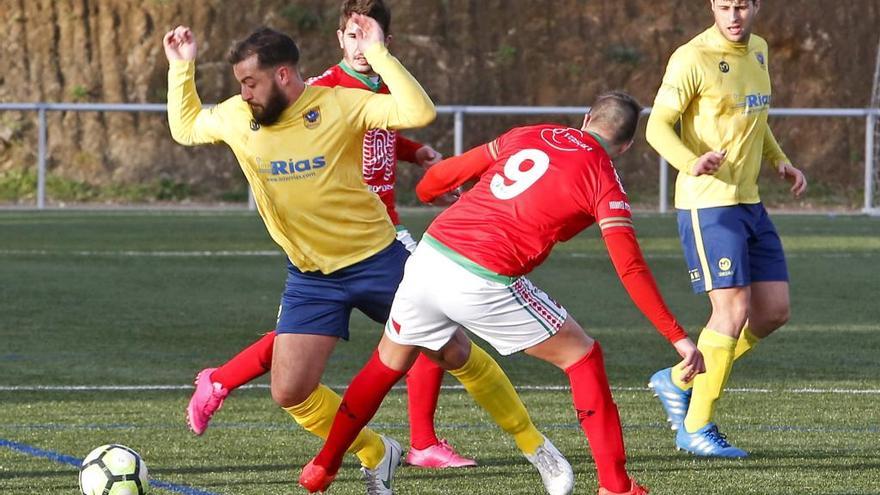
(544, 184)
(382, 148)
(538, 186)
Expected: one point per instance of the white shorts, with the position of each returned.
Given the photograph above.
(438, 295)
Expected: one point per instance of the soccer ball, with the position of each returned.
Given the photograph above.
(113, 470)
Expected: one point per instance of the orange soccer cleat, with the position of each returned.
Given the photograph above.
(634, 489)
(314, 478)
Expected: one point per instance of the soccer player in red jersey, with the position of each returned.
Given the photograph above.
(537, 186)
(381, 150)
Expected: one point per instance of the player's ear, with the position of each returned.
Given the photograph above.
(340, 36)
(284, 74)
(625, 147)
(388, 39)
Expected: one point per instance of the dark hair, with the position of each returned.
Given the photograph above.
(271, 47)
(370, 8)
(618, 114)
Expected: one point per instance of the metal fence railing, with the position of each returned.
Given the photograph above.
(459, 112)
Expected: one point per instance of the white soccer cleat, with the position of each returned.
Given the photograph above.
(555, 470)
(378, 480)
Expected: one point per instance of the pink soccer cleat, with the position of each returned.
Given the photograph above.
(438, 456)
(205, 401)
(314, 478)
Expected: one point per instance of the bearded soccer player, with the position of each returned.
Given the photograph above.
(536, 186)
(381, 149)
(300, 149)
(717, 86)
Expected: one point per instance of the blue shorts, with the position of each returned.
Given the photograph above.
(315, 303)
(731, 246)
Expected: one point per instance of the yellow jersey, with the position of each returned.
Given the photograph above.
(720, 93)
(305, 170)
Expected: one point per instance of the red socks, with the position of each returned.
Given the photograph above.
(253, 362)
(422, 388)
(599, 419)
(359, 404)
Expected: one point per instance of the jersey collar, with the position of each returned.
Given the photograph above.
(717, 37)
(366, 81)
(601, 141)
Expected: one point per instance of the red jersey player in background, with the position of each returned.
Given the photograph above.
(381, 150)
(537, 186)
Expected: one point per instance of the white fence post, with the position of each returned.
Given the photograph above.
(41, 158)
(458, 132)
(664, 188)
(869, 162)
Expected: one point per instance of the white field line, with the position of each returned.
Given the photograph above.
(272, 253)
(540, 388)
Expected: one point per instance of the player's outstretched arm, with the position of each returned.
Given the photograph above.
(626, 256)
(452, 172)
(188, 123)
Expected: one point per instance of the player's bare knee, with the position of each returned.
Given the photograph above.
(778, 317)
(289, 396)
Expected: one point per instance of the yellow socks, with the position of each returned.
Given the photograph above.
(747, 341)
(316, 414)
(486, 382)
(717, 352)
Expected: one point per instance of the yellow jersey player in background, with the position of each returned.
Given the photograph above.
(717, 87)
(300, 148)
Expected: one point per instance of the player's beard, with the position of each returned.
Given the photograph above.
(268, 113)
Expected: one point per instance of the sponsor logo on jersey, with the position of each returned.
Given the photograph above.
(619, 205)
(754, 102)
(254, 125)
(381, 188)
(312, 118)
(284, 170)
(724, 67)
(695, 275)
(565, 139)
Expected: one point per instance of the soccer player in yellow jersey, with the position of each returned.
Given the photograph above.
(717, 87)
(300, 148)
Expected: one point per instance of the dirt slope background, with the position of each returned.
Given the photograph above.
(480, 52)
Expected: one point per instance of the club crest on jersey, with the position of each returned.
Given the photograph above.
(760, 57)
(312, 118)
(565, 139)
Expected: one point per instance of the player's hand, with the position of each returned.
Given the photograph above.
(367, 31)
(797, 178)
(448, 198)
(427, 156)
(692, 359)
(708, 164)
(180, 44)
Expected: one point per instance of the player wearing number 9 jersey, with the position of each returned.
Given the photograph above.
(537, 186)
